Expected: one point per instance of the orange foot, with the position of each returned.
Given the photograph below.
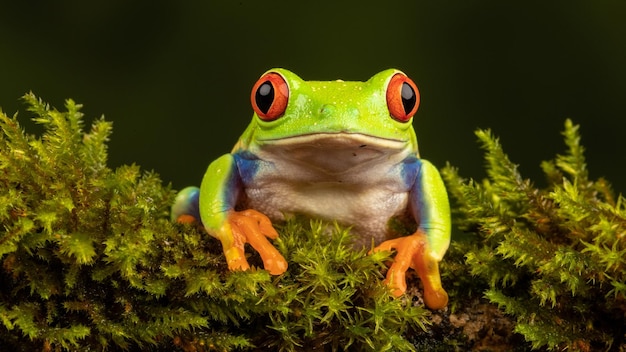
(253, 227)
(412, 252)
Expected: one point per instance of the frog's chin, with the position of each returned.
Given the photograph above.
(336, 153)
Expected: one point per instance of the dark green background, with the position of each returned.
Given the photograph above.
(175, 77)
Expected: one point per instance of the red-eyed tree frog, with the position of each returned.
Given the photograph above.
(343, 151)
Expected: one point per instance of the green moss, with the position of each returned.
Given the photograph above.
(90, 261)
(554, 258)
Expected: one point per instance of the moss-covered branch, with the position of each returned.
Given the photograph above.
(554, 258)
(90, 261)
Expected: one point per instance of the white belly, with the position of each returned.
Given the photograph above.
(354, 179)
(364, 203)
(367, 210)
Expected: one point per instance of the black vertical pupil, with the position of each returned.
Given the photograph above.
(264, 96)
(408, 97)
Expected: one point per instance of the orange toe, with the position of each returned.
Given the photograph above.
(435, 299)
(186, 219)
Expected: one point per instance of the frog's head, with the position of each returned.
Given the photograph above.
(356, 122)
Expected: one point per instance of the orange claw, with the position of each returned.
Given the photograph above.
(251, 226)
(412, 252)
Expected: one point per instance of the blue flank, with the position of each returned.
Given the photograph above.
(409, 169)
(421, 202)
(247, 165)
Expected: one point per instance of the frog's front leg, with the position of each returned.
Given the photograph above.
(215, 204)
(253, 227)
(423, 249)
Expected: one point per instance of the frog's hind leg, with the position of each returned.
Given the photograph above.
(186, 208)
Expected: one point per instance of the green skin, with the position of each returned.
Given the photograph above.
(334, 153)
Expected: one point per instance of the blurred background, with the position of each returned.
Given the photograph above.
(175, 77)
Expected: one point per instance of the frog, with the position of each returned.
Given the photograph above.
(338, 150)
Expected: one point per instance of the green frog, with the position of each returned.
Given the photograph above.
(336, 150)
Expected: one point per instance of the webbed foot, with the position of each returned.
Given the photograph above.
(412, 251)
(253, 227)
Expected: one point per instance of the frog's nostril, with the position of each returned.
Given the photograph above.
(327, 110)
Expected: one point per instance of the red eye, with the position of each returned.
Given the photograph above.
(403, 98)
(269, 96)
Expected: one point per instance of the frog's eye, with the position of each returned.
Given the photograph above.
(269, 96)
(402, 97)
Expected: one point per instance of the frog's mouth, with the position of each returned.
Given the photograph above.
(337, 152)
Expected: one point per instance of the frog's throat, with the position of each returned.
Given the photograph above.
(335, 153)
(343, 139)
